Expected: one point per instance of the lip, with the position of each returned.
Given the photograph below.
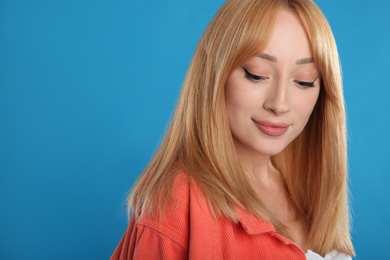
(270, 128)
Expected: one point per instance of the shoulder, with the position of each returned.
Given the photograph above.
(185, 228)
(176, 219)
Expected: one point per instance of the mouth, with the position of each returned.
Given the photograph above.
(270, 128)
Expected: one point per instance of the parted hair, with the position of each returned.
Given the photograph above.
(199, 140)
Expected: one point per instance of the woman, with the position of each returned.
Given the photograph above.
(253, 165)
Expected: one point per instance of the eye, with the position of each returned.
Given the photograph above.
(251, 76)
(306, 84)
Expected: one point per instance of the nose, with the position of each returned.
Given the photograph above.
(277, 99)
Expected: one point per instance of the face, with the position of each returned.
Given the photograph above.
(270, 97)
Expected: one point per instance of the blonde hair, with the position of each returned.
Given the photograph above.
(200, 142)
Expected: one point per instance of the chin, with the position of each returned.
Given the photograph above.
(263, 148)
(254, 146)
(271, 151)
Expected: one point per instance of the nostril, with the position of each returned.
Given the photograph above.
(277, 107)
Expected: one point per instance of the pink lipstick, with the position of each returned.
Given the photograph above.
(271, 129)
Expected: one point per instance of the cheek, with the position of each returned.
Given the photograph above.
(242, 95)
(236, 96)
(305, 108)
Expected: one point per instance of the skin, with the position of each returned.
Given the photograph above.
(278, 96)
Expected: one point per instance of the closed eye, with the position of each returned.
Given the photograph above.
(251, 76)
(306, 84)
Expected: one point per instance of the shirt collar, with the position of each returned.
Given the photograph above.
(255, 226)
(252, 224)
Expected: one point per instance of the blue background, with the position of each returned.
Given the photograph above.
(86, 91)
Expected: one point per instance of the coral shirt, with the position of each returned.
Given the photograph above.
(189, 231)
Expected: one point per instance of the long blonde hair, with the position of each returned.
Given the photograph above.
(200, 142)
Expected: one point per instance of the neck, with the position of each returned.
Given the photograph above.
(269, 185)
(257, 165)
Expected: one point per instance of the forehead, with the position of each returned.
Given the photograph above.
(289, 39)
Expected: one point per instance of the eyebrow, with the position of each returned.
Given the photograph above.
(268, 57)
(274, 59)
(304, 61)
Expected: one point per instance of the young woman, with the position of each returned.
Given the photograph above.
(253, 165)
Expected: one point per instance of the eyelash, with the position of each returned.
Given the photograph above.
(251, 76)
(306, 84)
(257, 78)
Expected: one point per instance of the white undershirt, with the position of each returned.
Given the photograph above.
(332, 255)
